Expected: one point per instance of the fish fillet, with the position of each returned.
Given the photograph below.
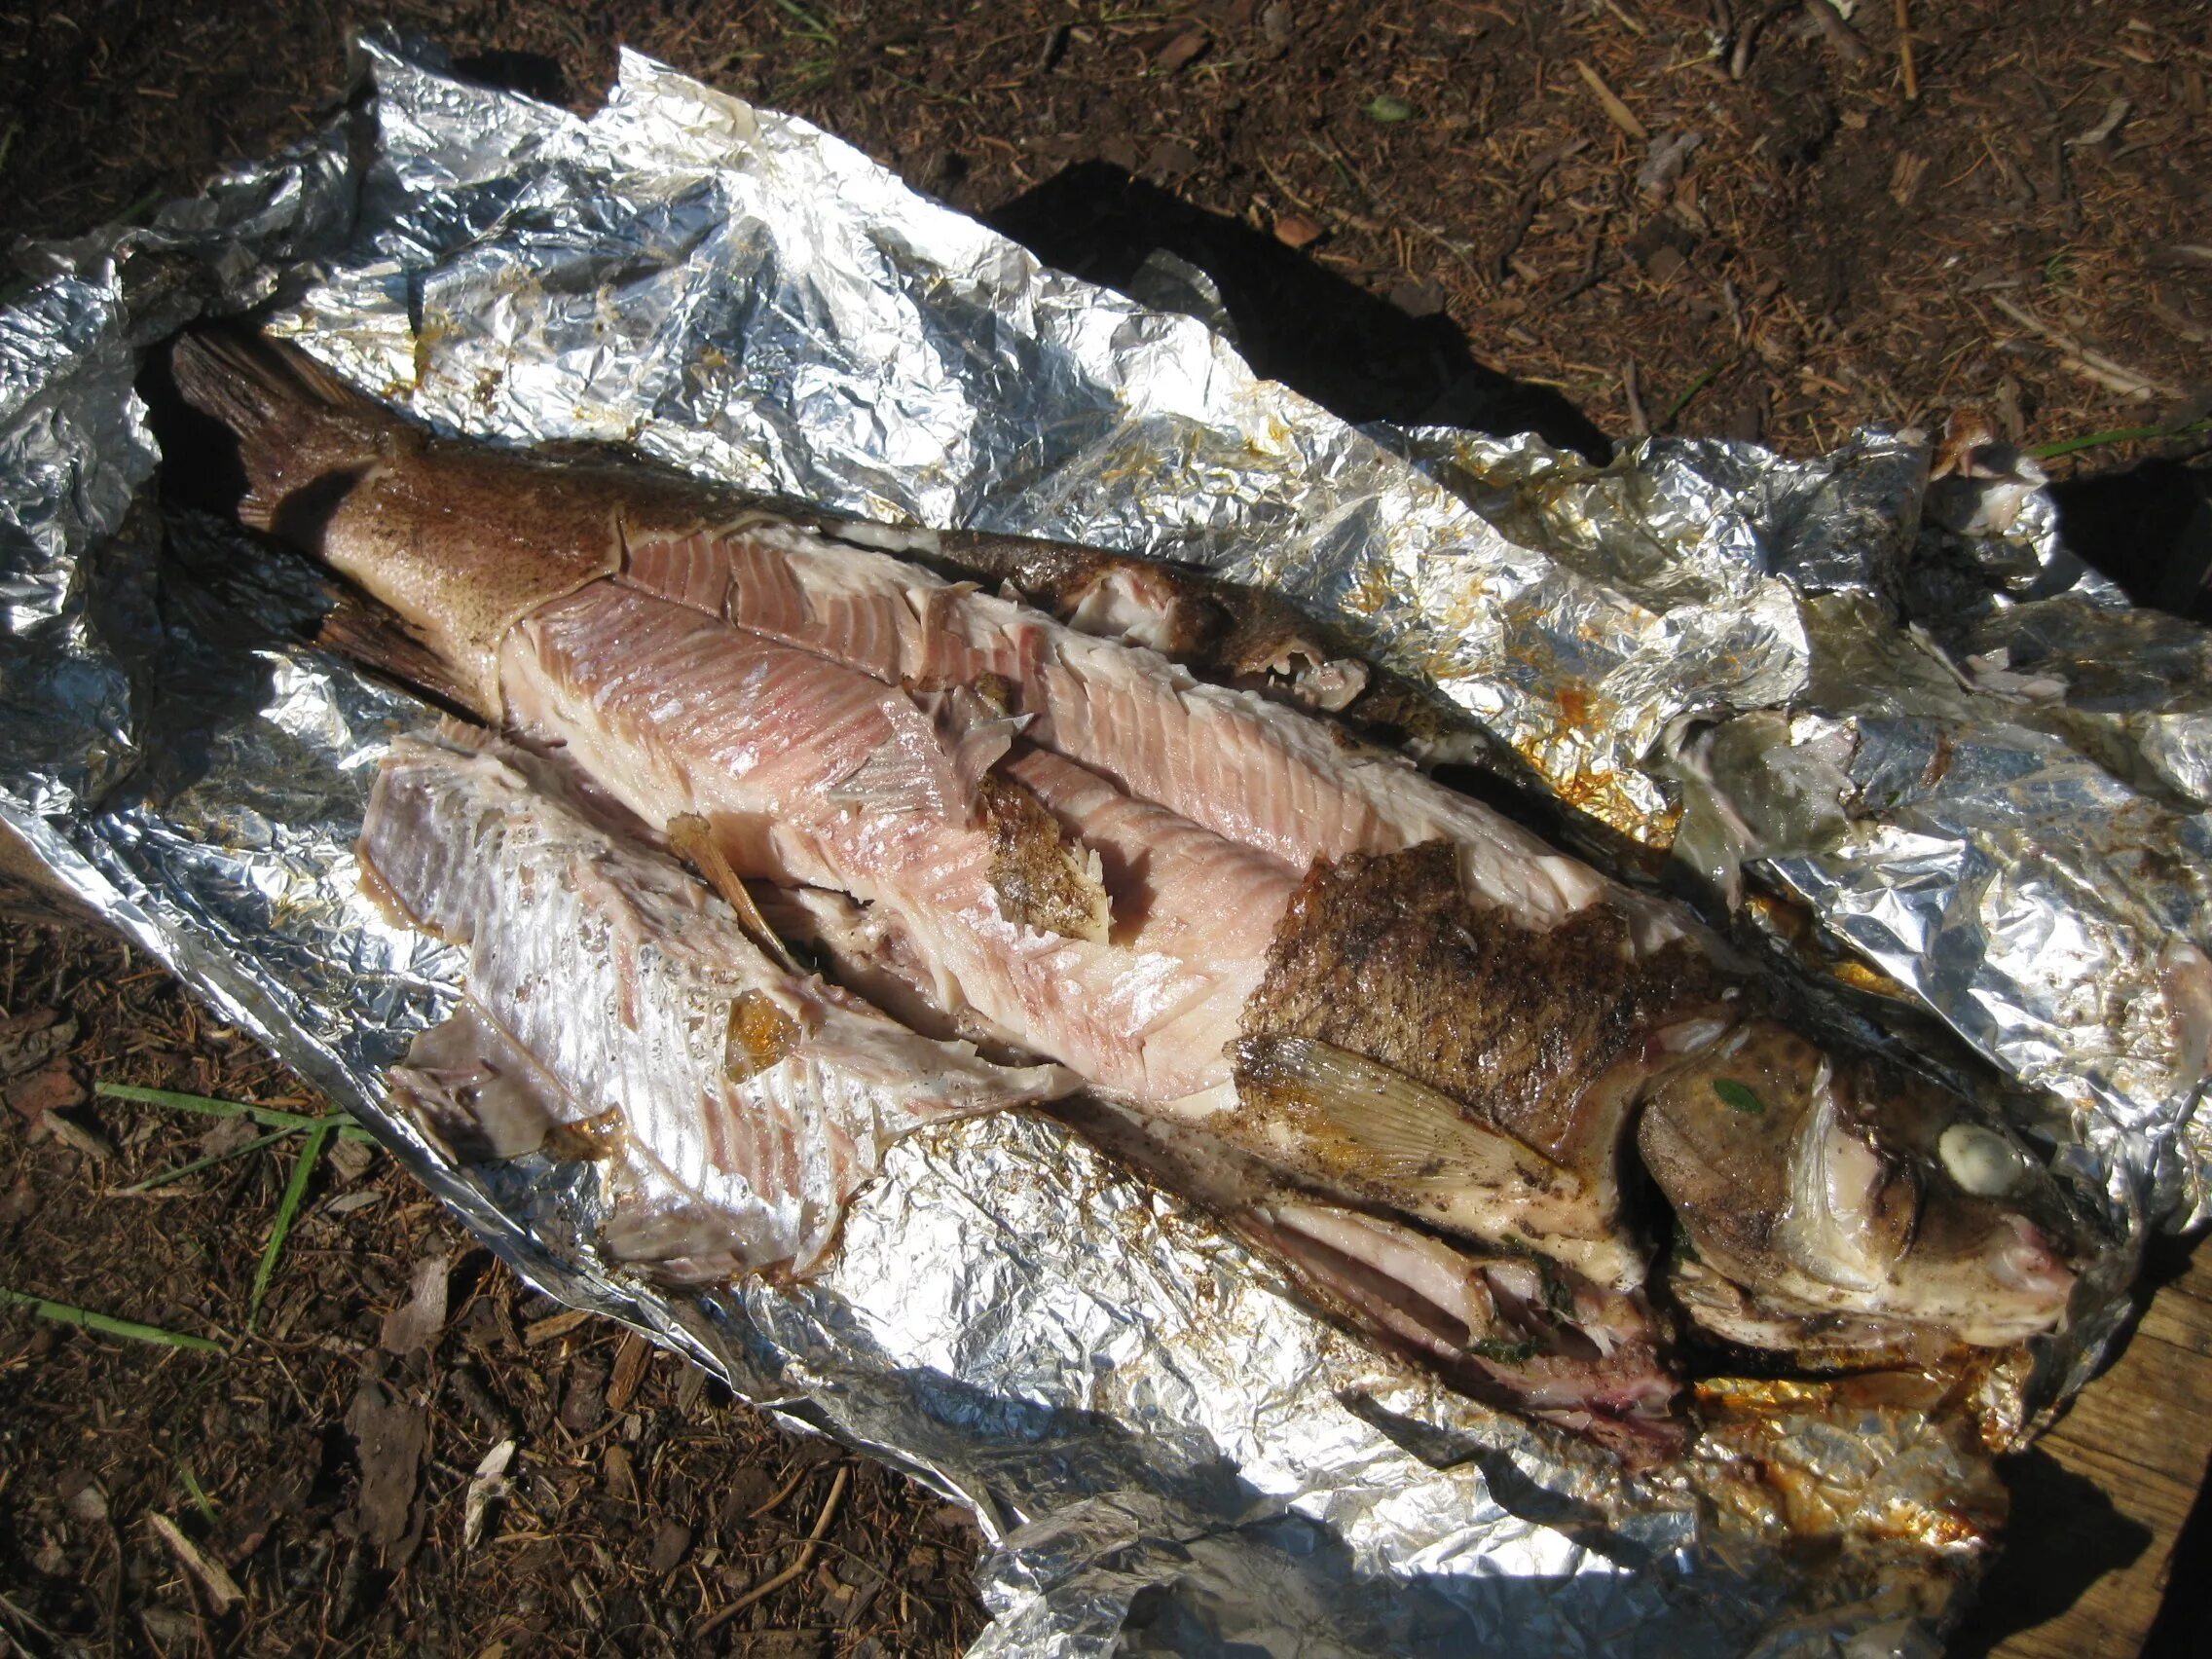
(741, 1105)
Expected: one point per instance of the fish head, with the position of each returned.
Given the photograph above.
(1841, 1186)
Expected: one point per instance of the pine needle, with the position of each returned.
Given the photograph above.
(208, 1106)
(288, 1208)
(60, 1313)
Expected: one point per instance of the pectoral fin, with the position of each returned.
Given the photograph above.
(1381, 1123)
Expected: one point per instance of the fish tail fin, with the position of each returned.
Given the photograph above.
(305, 436)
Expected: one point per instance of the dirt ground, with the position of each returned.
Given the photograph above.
(324, 1464)
(1594, 218)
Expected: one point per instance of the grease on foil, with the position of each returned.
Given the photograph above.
(2001, 808)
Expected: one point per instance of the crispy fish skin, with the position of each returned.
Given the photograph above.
(741, 1105)
(1547, 1035)
(398, 511)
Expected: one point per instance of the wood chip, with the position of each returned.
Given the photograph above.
(1183, 49)
(2116, 112)
(1840, 34)
(619, 1471)
(1905, 176)
(222, 1589)
(1296, 229)
(630, 1361)
(553, 1327)
(54, 1088)
(390, 1435)
(486, 1486)
(78, 1139)
(1617, 112)
(583, 1403)
(416, 1322)
(27, 1041)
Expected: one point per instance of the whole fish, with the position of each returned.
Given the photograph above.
(1218, 911)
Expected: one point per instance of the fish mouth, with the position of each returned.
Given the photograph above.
(2026, 1261)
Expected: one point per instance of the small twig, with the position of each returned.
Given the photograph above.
(15, 1615)
(2095, 365)
(1617, 112)
(1905, 51)
(222, 1589)
(2182, 323)
(1740, 60)
(1637, 423)
(1618, 10)
(775, 1499)
(715, 1621)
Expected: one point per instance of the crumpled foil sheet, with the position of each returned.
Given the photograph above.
(1166, 1455)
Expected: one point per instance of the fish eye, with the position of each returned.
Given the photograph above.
(1982, 1162)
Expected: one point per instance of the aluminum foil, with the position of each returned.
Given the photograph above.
(1166, 1454)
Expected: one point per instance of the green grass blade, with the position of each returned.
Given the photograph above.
(810, 26)
(61, 1313)
(200, 1163)
(288, 1208)
(197, 1492)
(1689, 392)
(209, 1106)
(2118, 435)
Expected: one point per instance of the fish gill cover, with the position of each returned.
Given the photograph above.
(1897, 700)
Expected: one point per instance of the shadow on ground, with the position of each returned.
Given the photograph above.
(2063, 1536)
(2149, 527)
(1294, 319)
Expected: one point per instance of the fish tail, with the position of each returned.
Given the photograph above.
(305, 436)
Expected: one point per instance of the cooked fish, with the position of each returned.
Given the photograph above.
(1209, 905)
(741, 1103)
(1506, 1325)
(1840, 1191)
